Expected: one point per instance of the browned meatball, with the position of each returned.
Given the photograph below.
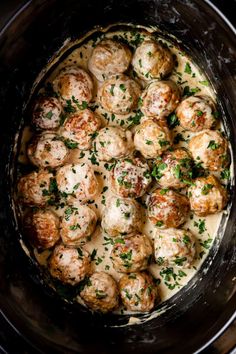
(101, 292)
(196, 113)
(160, 98)
(77, 181)
(74, 86)
(69, 265)
(130, 178)
(121, 216)
(152, 137)
(175, 247)
(78, 221)
(47, 113)
(47, 150)
(113, 143)
(34, 188)
(207, 196)
(173, 169)
(211, 149)
(119, 94)
(42, 228)
(152, 60)
(109, 58)
(80, 127)
(138, 292)
(131, 254)
(168, 208)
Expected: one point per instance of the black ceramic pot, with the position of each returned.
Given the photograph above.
(198, 314)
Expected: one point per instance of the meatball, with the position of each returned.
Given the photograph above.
(78, 221)
(131, 254)
(196, 113)
(101, 292)
(138, 292)
(119, 94)
(47, 150)
(173, 169)
(207, 196)
(160, 98)
(130, 178)
(42, 228)
(174, 247)
(34, 189)
(74, 86)
(113, 143)
(80, 127)
(121, 216)
(211, 149)
(152, 137)
(69, 265)
(168, 208)
(47, 113)
(77, 181)
(152, 60)
(109, 58)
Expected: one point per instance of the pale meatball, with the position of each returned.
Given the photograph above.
(152, 137)
(101, 292)
(35, 188)
(138, 292)
(80, 128)
(131, 254)
(160, 98)
(207, 196)
(175, 247)
(42, 228)
(174, 169)
(74, 86)
(109, 58)
(130, 178)
(113, 143)
(121, 216)
(152, 60)
(211, 149)
(78, 221)
(77, 181)
(167, 208)
(119, 94)
(47, 113)
(69, 265)
(47, 150)
(196, 113)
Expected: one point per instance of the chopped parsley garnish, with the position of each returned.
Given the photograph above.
(201, 226)
(172, 121)
(180, 260)
(149, 142)
(187, 69)
(70, 144)
(157, 170)
(204, 83)
(225, 174)
(69, 108)
(190, 92)
(49, 115)
(206, 189)
(159, 223)
(207, 243)
(213, 145)
(122, 87)
(112, 90)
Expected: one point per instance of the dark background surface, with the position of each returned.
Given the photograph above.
(10, 342)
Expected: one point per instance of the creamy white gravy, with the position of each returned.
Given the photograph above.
(204, 228)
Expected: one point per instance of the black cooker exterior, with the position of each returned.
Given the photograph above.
(26, 45)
